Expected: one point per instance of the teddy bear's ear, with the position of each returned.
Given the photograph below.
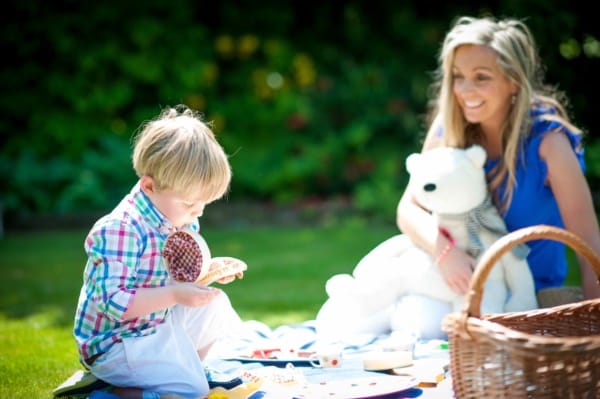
(411, 162)
(476, 154)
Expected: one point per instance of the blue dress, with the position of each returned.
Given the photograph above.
(534, 203)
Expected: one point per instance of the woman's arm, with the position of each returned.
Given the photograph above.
(416, 222)
(574, 199)
(411, 218)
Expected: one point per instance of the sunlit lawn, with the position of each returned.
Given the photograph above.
(287, 269)
(42, 273)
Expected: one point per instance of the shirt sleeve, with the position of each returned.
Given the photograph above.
(114, 251)
(545, 120)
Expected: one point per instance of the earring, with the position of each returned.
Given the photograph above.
(513, 99)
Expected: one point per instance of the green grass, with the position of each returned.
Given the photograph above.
(287, 270)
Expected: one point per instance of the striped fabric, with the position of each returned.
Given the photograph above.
(124, 253)
(485, 216)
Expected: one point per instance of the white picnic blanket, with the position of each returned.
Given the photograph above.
(295, 337)
(283, 363)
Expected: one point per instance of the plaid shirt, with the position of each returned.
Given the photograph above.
(124, 253)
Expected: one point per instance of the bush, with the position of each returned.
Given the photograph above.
(304, 110)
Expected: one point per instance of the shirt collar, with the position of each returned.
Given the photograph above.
(149, 212)
(152, 215)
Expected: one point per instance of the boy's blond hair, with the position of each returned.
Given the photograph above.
(180, 152)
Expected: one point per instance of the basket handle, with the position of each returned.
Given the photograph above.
(473, 298)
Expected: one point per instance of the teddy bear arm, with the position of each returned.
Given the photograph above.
(430, 282)
(520, 285)
(340, 285)
(458, 303)
(382, 259)
(494, 297)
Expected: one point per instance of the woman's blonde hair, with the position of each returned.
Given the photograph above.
(180, 152)
(517, 56)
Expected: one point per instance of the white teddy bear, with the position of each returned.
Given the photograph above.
(398, 287)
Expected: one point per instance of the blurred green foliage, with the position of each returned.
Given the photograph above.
(310, 99)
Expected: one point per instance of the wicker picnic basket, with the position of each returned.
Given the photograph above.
(543, 353)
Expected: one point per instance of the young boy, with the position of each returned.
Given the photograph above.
(136, 329)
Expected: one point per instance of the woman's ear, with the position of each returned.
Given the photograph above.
(147, 185)
(515, 88)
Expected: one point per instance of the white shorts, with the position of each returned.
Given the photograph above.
(167, 362)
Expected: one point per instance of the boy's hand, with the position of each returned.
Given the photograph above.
(229, 279)
(223, 270)
(192, 294)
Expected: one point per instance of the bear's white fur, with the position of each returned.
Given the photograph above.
(379, 296)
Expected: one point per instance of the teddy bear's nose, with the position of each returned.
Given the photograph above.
(429, 187)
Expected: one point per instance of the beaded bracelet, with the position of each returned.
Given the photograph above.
(447, 248)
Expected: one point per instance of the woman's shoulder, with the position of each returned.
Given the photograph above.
(551, 133)
(553, 144)
(547, 117)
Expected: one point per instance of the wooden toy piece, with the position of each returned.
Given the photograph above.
(187, 256)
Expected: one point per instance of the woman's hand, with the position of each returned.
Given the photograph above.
(457, 269)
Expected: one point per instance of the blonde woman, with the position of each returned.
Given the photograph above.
(489, 91)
